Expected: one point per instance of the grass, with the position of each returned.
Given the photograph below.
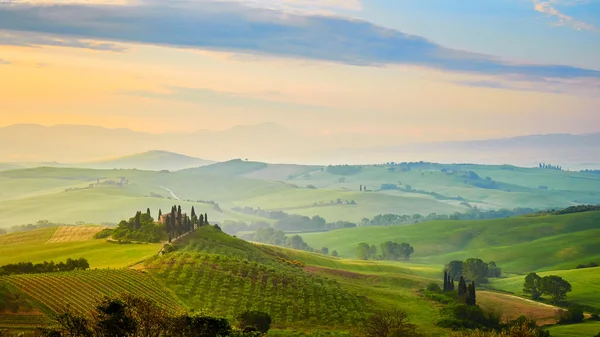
(588, 329)
(519, 245)
(585, 284)
(226, 275)
(28, 195)
(34, 246)
(81, 290)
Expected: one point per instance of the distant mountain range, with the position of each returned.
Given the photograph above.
(270, 142)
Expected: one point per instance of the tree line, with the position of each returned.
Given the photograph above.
(44, 267)
(549, 166)
(132, 316)
(275, 237)
(389, 251)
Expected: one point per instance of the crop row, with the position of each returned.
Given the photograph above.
(80, 290)
(227, 286)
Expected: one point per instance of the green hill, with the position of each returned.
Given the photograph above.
(225, 275)
(585, 284)
(151, 160)
(519, 245)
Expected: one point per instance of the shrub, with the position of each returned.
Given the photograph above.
(573, 315)
(434, 287)
(254, 319)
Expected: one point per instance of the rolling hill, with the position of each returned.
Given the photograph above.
(150, 161)
(69, 195)
(518, 245)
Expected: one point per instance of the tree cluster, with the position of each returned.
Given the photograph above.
(131, 316)
(549, 167)
(178, 223)
(554, 286)
(389, 251)
(278, 238)
(589, 265)
(44, 267)
(343, 170)
(473, 269)
(287, 222)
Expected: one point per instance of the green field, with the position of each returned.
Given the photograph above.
(29, 195)
(588, 329)
(519, 245)
(32, 247)
(585, 283)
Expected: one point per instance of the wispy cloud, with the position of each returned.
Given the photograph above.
(232, 26)
(27, 39)
(549, 8)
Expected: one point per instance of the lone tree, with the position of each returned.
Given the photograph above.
(533, 286)
(389, 324)
(363, 251)
(555, 287)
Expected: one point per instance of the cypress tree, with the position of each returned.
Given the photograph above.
(137, 220)
(148, 212)
(446, 285)
(452, 284)
(193, 212)
(462, 287)
(201, 221)
(159, 214)
(470, 299)
(206, 219)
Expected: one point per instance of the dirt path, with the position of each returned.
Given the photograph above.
(171, 192)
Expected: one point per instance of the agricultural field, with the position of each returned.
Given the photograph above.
(69, 195)
(205, 276)
(81, 290)
(519, 244)
(57, 244)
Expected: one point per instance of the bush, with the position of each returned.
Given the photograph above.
(103, 234)
(254, 319)
(571, 316)
(434, 287)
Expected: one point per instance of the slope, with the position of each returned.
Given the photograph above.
(151, 160)
(211, 270)
(585, 284)
(520, 244)
(48, 244)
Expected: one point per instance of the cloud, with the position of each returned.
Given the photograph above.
(4, 62)
(232, 26)
(549, 8)
(26, 39)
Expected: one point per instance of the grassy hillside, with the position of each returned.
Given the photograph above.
(519, 245)
(588, 329)
(151, 160)
(58, 244)
(585, 284)
(73, 194)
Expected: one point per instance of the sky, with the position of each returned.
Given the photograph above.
(412, 70)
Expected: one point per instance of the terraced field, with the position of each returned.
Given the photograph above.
(80, 290)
